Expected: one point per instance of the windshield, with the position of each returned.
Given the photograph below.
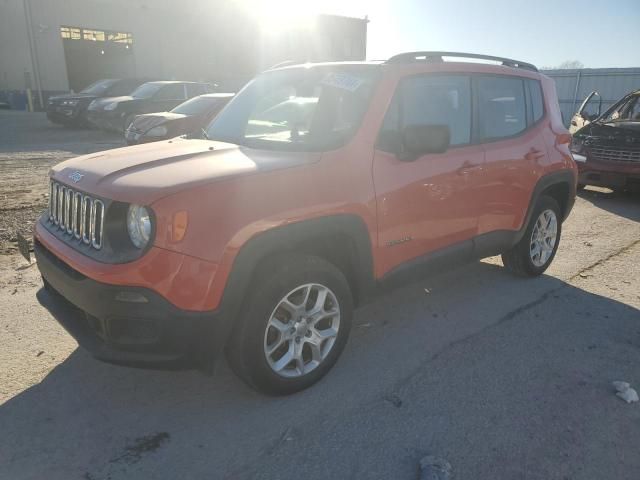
(146, 90)
(99, 87)
(123, 87)
(627, 110)
(297, 108)
(196, 105)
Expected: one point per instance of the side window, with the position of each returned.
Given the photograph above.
(537, 105)
(438, 100)
(122, 87)
(173, 91)
(501, 107)
(634, 111)
(195, 89)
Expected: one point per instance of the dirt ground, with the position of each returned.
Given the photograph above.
(29, 146)
(505, 378)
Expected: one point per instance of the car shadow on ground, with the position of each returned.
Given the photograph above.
(624, 204)
(93, 420)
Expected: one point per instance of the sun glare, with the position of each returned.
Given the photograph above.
(277, 15)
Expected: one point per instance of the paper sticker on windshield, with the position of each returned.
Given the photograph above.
(343, 81)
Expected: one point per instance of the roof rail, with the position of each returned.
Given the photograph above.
(436, 57)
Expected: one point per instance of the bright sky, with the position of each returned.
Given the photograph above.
(599, 33)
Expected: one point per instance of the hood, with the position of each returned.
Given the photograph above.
(145, 173)
(613, 132)
(144, 123)
(72, 96)
(100, 103)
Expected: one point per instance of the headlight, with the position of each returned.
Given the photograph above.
(93, 105)
(576, 145)
(159, 131)
(111, 106)
(577, 150)
(139, 225)
(70, 103)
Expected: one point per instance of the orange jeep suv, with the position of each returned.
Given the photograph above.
(315, 186)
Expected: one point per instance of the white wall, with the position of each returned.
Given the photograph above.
(188, 39)
(14, 46)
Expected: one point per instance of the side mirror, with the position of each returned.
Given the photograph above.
(418, 140)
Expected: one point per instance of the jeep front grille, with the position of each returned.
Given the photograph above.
(605, 154)
(76, 214)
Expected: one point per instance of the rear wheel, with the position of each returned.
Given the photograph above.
(295, 325)
(533, 254)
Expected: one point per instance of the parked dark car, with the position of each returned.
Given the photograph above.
(117, 113)
(188, 117)
(71, 109)
(607, 149)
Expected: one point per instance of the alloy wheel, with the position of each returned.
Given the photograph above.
(543, 238)
(302, 330)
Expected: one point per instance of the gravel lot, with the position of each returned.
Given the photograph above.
(29, 146)
(506, 378)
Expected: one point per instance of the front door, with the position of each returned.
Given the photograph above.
(429, 203)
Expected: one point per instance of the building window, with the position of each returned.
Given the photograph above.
(71, 33)
(94, 35)
(120, 37)
(77, 33)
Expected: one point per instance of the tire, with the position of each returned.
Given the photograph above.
(264, 323)
(521, 259)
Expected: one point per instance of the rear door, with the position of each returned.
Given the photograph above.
(429, 203)
(509, 128)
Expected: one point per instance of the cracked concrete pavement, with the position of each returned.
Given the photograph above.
(503, 377)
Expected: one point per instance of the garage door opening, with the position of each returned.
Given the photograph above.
(92, 54)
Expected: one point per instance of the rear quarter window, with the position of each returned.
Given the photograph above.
(537, 104)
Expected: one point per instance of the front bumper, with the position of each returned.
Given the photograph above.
(64, 115)
(608, 175)
(126, 325)
(106, 120)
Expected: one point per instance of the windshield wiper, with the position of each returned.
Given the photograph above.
(204, 134)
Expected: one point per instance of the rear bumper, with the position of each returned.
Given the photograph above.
(126, 325)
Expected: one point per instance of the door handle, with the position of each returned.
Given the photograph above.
(533, 154)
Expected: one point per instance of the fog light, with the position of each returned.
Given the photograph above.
(131, 297)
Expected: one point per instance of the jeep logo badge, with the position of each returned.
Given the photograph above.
(76, 176)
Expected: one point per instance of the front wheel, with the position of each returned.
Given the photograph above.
(533, 254)
(295, 325)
